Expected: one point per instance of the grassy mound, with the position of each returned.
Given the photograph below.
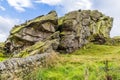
(93, 62)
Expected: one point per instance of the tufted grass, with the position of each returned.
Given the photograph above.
(88, 63)
(16, 29)
(3, 57)
(93, 62)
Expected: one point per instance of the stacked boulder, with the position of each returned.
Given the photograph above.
(74, 30)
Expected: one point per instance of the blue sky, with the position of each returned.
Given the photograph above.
(18, 11)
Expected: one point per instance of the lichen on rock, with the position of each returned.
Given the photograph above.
(48, 45)
(32, 31)
(83, 26)
(76, 28)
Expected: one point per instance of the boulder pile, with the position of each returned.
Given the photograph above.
(71, 31)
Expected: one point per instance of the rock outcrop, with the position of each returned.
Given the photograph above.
(36, 39)
(76, 28)
(115, 41)
(80, 27)
(27, 34)
(1, 48)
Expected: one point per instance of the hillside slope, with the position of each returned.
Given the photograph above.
(68, 46)
(94, 62)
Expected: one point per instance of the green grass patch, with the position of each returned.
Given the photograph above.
(3, 57)
(16, 29)
(94, 71)
(95, 49)
(93, 62)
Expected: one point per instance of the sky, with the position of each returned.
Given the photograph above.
(14, 12)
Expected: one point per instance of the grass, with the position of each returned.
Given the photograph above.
(94, 49)
(3, 57)
(16, 29)
(93, 62)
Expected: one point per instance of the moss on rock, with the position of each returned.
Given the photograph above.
(16, 29)
(76, 28)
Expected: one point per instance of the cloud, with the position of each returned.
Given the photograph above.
(2, 37)
(6, 25)
(2, 8)
(20, 5)
(64, 5)
(68, 5)
(49, 2)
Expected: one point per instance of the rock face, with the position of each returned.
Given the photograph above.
(18, 68)
(49, 45)
(76, 28)
(80, 27)
(27, 34)
(1, 48)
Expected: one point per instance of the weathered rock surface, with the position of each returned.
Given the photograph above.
(27, 34)
(80, 27)
(18, 68)
(76, 28)
(1, 48)
(49, 45)
(115, 41)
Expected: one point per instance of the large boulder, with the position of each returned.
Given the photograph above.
(76, 28)
(32, 31)
(83, 26)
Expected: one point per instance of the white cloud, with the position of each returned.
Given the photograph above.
(20, 5)
(2, 8)
(68, 5)
(49, 2)
(2, 37)
(6, 25)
